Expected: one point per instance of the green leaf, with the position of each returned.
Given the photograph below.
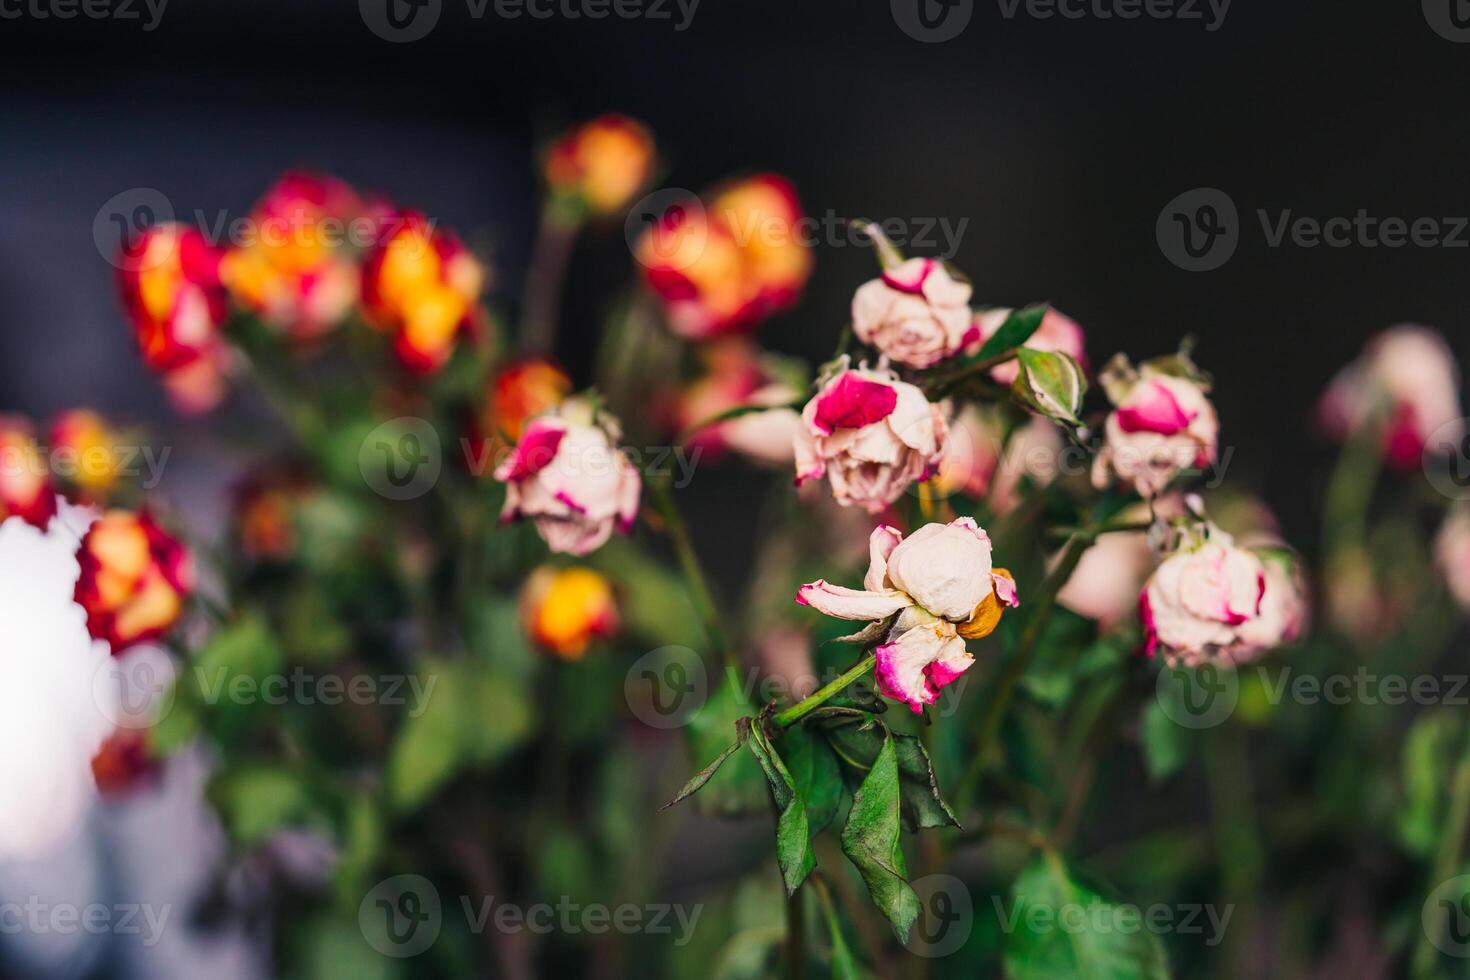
(1015, 331)
(255, 801)
(1429, 749)
(1165, 744)
(738, 788)
(227, 674)
(793, 832)
(1057, 929)
(818, 777)
(922, 804)
(696, 783)
(872, 842)
(844, 967)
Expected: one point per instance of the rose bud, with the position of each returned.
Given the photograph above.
(84, 450)
(422, 286)
(26, 491)
(727, 266)
(916, 313)
(1206, 603)
(135, 578)
(1057, 332)
(1407, 386)
(565, 609)
(1452, 554)
(170, 281)
(601, 164)
(938, 588)
(298, 272)
(1050, 384)
(737, 375)
(569, 477)
(520, 392)
(1162, 423)
(872, 435)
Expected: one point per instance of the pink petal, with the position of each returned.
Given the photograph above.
(533, 453)
(1157, 410)
(1005, 590)
(880, 545)
(909, 277)
(844, 603)
(854, 402)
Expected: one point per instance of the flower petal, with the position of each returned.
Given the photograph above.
(844, 603)
(880, 545)
(854, 402)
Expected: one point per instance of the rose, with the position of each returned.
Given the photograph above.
(939, 587)
(872, 435)
(1162, 423)
(602, 163)
(134, 579)
(916, 313)
(26, 489)
(568, 476)
(565, 609)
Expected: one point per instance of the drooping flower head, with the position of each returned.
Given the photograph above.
(135, 579)
(736, 374)
(1212, 601)
(939, 588)
(917, 313)
(1406, 383)
(568, 475)
(169, 276)
(602, 163)
(1162, 423)
(728, 264)
(298, 270)
(871, 435)
(565, 609)
(26, 489)
(422, 286)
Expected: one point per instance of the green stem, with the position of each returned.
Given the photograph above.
(699, 590)
(1447, 860)
(796, 936)
(1237, 837)
(807, 705)
(1015, 668)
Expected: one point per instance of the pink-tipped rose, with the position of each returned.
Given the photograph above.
(569, 477)
(1216, 602)
(916, 313)
(1407, 383)
(872, 435)
(940, 588)
(1162, 423)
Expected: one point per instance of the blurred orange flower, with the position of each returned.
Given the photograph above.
(124, 763)
(25, 478)
(601, 164)
(731, 263)
(84, 450)
(298, 271)
(564, 609)
(135, 578)
(423, 286)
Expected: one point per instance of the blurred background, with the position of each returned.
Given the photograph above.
(1047, 147)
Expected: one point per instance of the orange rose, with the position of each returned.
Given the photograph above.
(522, 391)
(565, 609)
(601, 164)
(85, 451)
(135, 579)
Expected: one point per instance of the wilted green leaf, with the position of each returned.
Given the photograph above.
(923, 806)
(739, 786)
(793, 833)
(818, 778)
(872, 842)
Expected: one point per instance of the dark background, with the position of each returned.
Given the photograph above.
(1060, 141)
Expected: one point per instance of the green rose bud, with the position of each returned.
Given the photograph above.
(1050, 384)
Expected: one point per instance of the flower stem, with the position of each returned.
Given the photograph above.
(809, 704)
(1447, 860)
(555, 235)
(1016, 667)
(699, 590)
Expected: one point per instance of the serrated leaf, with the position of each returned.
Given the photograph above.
(1015, 331)
(793, 832)
(872, 842)
(1046, 941)
(1165, 744)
